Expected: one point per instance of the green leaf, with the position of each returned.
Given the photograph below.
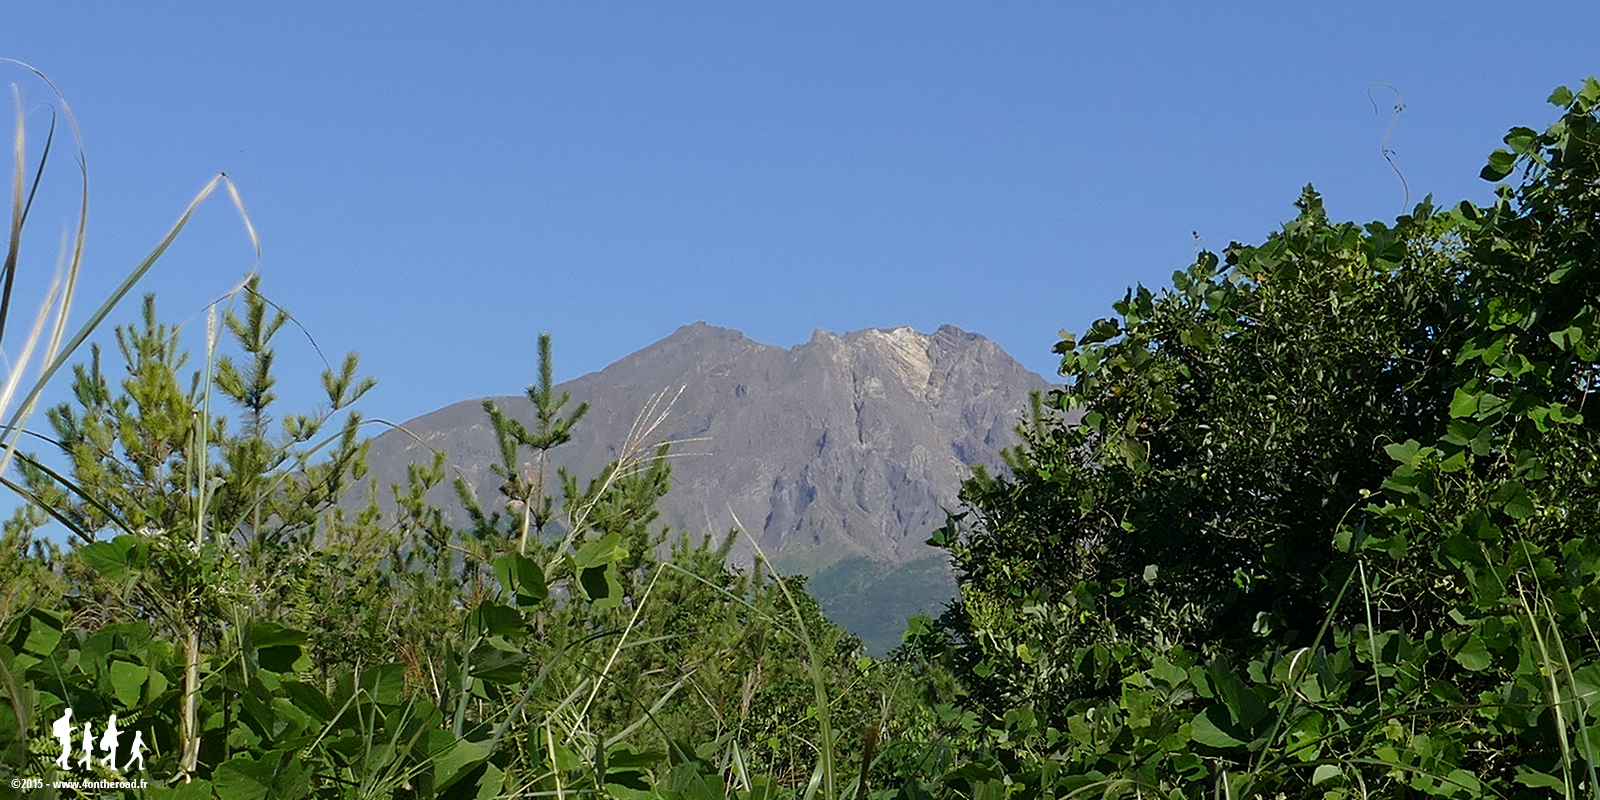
(625, 757)
(1522, 140)
(1102, 330)
(43, 632)
(1489, 404)
(193, 790)
(1464, 404)
(1242, 702)
(309, 699)
(1342, 539)
(1539, 780)
(1460, 432)
(1474, 654)
(455, 763)
(1589, 95)
(127, 681)
(1553, 415)
(497, 666)
(1135, 454)
(279, 658)
(270, 634)
(622, 788)
(1404, 452)
(1500, 165)
(1567, 337)
(496, 619)
(1208, 729)
(1324, 773)
(607, 549)
(109, 559)
(1462, 779)
(1587, 682)
(601, 586)
(1562, 96)
(385, 682)
(490, 783)
(244, 778)
(917, 625)
(158, 683)
(292, 714)
(522, 575)
(1513, 498)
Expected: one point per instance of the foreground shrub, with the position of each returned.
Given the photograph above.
(1326, 525)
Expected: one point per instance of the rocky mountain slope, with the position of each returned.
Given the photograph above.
(836, 455)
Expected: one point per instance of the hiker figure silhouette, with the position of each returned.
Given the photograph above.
(88, 747)
(136, 751)
(62, 729)
(108, 743)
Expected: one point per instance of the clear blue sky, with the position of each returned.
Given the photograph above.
(434, 184)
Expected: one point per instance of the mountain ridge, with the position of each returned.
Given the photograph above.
(842, 451)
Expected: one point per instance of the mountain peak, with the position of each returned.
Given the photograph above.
(844, 449)
(953, 332)
(701, 330)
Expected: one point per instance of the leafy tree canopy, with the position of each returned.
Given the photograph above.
(1324, 485)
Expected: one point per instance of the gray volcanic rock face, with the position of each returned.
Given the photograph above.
(842, 449)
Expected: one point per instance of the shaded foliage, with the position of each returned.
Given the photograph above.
(1327, 521)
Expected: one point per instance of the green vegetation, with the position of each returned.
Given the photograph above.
(864, 596)
(1325, 528)
(1327, 525)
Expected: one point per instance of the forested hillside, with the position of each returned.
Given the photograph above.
(1326, 527)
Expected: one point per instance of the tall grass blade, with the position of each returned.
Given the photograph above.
(1557, 704)
(1581, 706)
(83, 332)
(824, 777)
(622, 639)
(1372, 634)
(8, 391)
(20, 207)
